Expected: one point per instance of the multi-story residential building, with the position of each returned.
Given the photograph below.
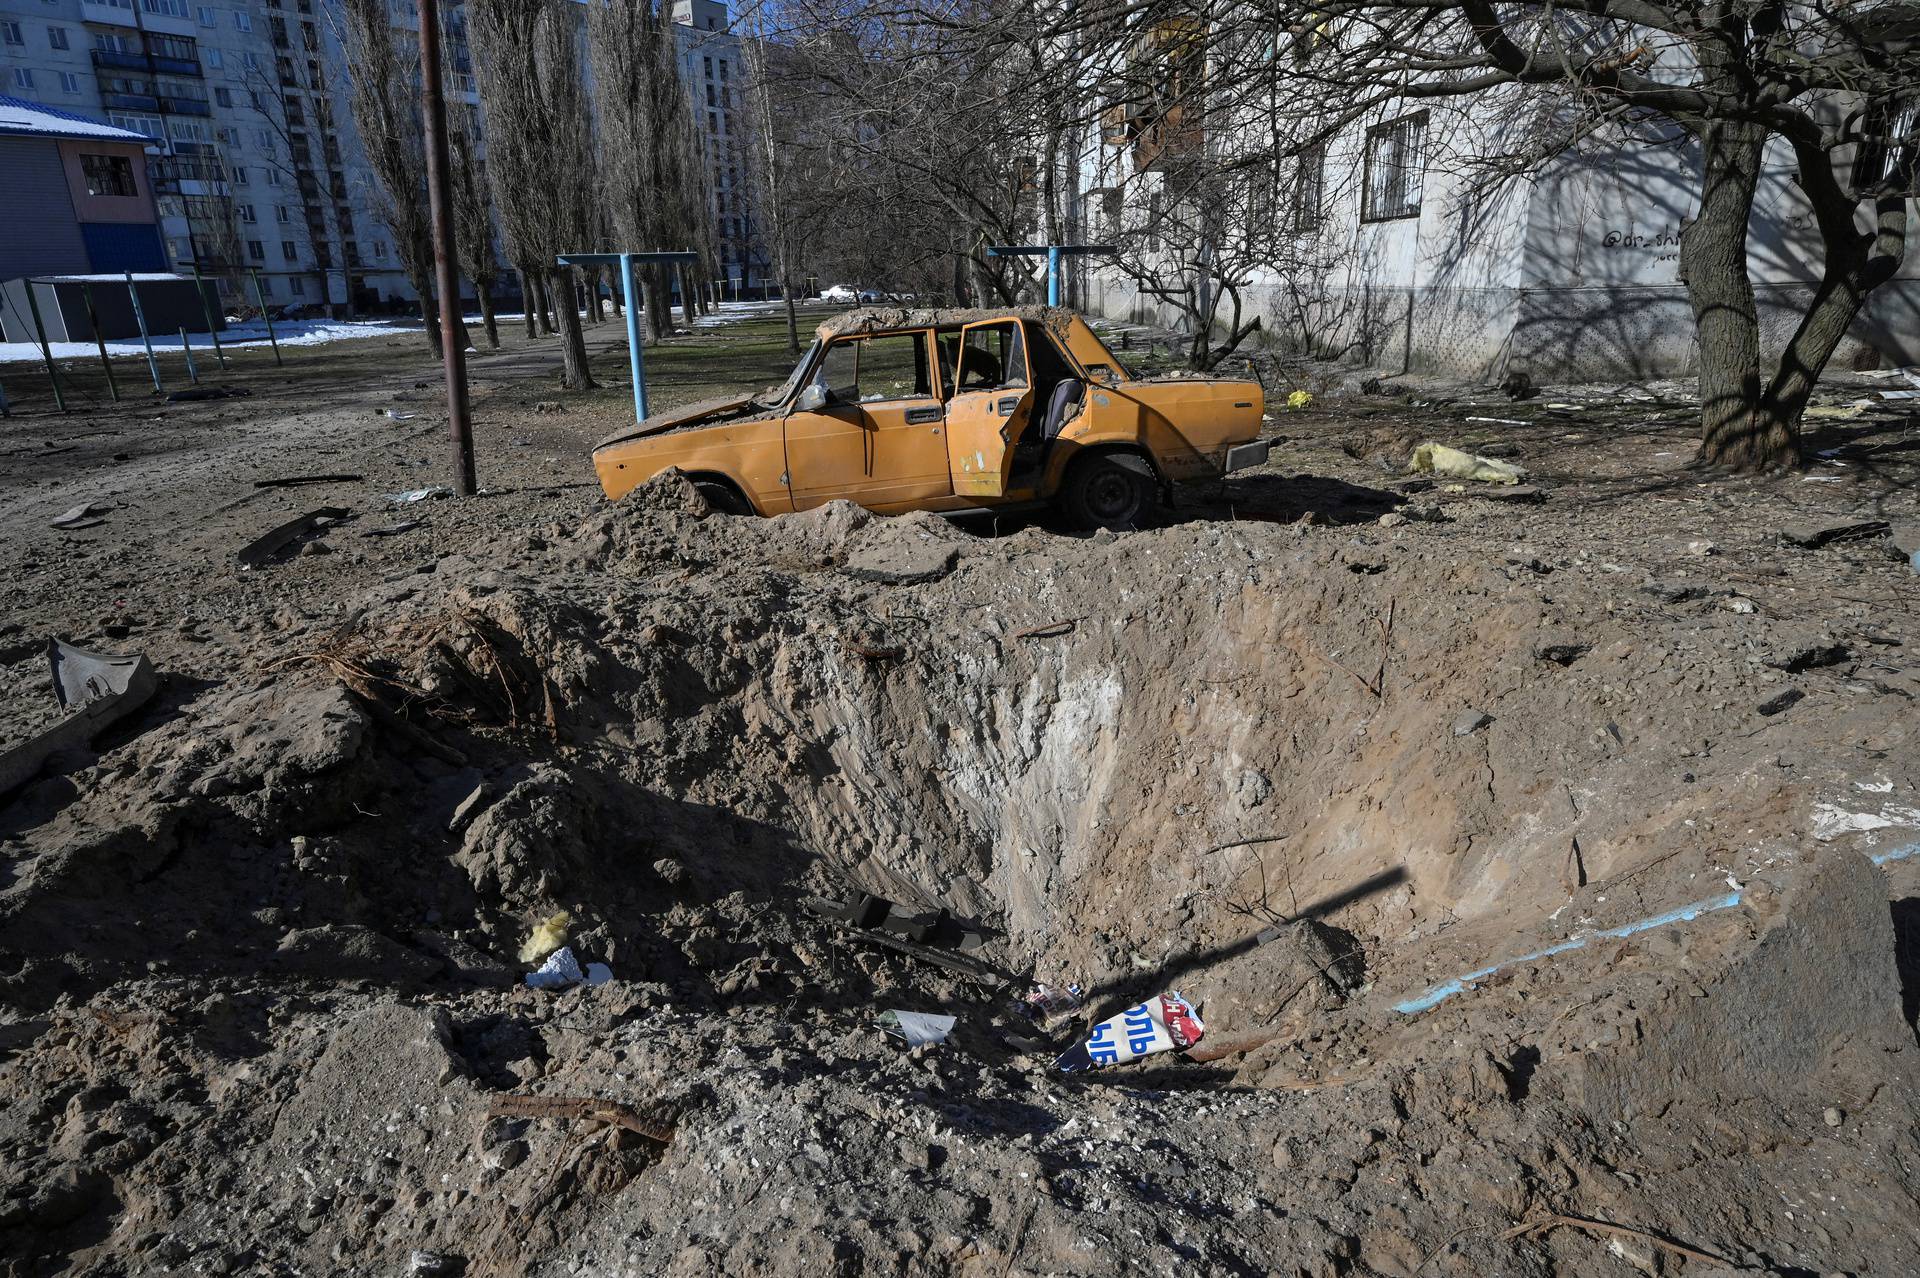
(711, 65)
(260, 168)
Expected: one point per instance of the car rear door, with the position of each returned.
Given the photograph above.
(989, 408)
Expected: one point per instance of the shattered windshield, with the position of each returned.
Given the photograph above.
(787, 388)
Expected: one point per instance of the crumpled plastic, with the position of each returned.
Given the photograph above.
(917, 1028)
(1158, 1025)
(548, 935)
(562, 971)
(1437, 459)
(1299, 399)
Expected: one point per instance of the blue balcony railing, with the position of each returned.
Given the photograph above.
(119, 61)
(131, 101)
(186, 106)
(176, 66)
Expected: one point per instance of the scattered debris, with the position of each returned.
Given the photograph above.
(85, 515)
(96, 689)
(1044, 1003)
(394, 530)
(583, 1109)
(548, 935)
(294, 481)
(1814, 536)
(1785, 699)
(208, 392)
(1470, 722)
(1298, 400)
(919, 1029)
(435, 1264)
(547, 406)
(1161, 1024)
(562, 971)
(1561, 650)
(1438, 459)
(397, 415)
(430, 493)
(1051, 630)
(938, 938)
(261, 550)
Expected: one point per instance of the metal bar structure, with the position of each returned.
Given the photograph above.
(46, 351)
(140, 318)
(99, 340)
(625, 264)
(4, 410)
(213, 328)
(193, 374)
(260, 300)
(453, 347)
(1053, 253)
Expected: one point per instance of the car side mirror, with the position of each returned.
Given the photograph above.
(812, 399)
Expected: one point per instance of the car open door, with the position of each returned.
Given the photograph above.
(874, 435)
(991, 403)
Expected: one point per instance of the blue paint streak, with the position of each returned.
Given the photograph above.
(1685, 914)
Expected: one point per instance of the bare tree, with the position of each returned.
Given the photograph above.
(539, 152)
(383, 75)
(473, 212)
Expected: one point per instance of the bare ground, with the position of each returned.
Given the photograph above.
(258, 954)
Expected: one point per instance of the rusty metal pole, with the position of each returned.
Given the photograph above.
(446, 276)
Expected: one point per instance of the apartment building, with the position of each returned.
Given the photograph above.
(259, 172)
(1390, 245)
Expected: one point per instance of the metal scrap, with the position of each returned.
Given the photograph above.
(97, 689)
(294, 481)
(580, 1108)
(260, 551)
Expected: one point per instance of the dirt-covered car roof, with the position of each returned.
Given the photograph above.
(875, 319)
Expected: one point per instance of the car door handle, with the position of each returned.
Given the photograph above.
(1007, 406)
(922, 416)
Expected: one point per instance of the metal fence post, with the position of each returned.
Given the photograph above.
(46, 351)
(213, 329)
(140, 317)
(192, 375)
(99, 340)
(260, 297)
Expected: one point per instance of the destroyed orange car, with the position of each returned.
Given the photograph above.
(950, 410)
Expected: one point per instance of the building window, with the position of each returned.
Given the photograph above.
(706, 67)
(222, 97)
(723, 70)
(22, 78)
(1396, 154)
(1309, 188)
(69, 82)
(209, 18)
(289, 250)
(56, 37)
(379, 250)
(256, 250)
(280, 214)
(247, 213)
(108, 174)
(273, 177)
(242, 21)
(249, 61)
(266, 287)
(297, 286)
(10, 32)
(239, 175)
(216, 59)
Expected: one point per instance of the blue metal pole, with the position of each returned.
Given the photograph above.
(153, 365)
(1053, 275)
(636, 361)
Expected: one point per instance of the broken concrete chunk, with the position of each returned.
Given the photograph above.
(468, 808)
(1470, 722)
(1782, 700)
(1814, 535)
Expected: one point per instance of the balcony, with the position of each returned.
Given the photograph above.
(114, 59)
(185, 106)
(118, 13)
(177, 66)
(130, 101)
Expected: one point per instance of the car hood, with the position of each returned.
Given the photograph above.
(688, 415)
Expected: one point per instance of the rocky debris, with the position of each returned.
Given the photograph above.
(1812, 536)
(1470, 722)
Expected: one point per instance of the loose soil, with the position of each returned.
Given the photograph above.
(259, 996)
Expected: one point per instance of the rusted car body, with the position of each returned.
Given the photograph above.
(949, 410)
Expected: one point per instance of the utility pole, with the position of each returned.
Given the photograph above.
(446, 274)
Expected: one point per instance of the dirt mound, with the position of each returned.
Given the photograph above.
(264, 950)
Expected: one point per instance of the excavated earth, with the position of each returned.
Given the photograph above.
(258, 986)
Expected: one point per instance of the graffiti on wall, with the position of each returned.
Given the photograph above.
(1663, 246)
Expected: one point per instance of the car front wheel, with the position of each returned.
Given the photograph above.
(1108, 490)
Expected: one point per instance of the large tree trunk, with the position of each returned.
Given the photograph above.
(527, 303)
(487, 316)
(686, 295)
(1736, 432)
(659, 305)
(573, 342)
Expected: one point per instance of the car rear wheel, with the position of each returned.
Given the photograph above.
(723, 498)
(1108, 490)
